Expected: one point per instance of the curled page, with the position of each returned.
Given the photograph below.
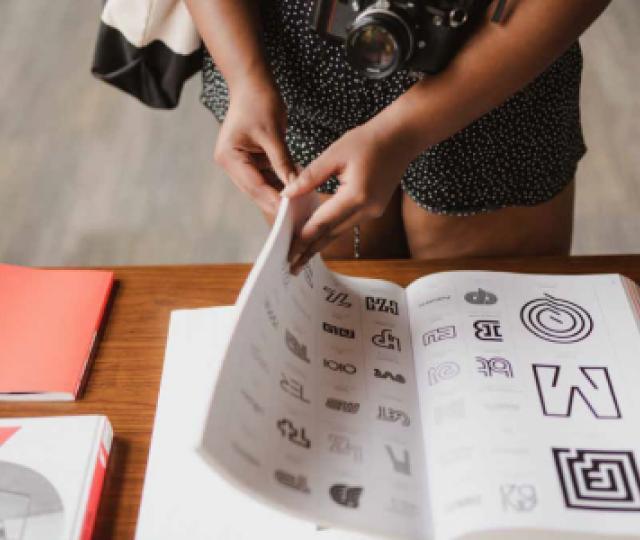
(315, 410)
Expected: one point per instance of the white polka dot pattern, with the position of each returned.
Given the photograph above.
(522, 153)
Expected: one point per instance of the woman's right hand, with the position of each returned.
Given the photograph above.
(251, 144)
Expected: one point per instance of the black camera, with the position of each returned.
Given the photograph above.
(382, 36)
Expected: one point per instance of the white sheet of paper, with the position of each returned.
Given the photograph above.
(341, 450)
(182, 496)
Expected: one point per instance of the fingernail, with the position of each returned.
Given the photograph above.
(294, 259)
(299, 265)
(288, 190)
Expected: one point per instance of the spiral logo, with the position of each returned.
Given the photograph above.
(442, 372)
(556, 320)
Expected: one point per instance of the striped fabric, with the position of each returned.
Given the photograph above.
(147, 48)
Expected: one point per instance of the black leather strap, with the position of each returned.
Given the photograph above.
(154, 74)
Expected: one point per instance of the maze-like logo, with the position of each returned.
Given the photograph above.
(598, 479)
(556, 320)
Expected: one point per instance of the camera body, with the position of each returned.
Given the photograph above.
(382, 36)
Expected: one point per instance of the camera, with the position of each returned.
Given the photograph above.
(383, 36)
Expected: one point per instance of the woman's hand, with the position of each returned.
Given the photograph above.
(369, 162)
(251, 144)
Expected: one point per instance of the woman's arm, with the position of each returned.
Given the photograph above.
(495, 63)
(251, 143)
(231, 31)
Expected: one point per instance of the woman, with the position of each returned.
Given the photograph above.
(478, 160)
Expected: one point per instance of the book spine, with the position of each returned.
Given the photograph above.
(97, 482)
(93, 345)
(633, 294)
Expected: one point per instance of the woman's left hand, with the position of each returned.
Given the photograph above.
(369, 164)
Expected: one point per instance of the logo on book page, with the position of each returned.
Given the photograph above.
(390, 414)
(336, 298)
(383, 305)
(496, 365)
(442, 372)
(488, 330)
(398, 377)
(438, 334)
(403, 507)
(293, 481)
(271, 314)
(338, 330)
(598, 479)
(452, 411)
(296, 347)
(285, 275)
(295, 435)
(400, 460)
(343, 445)
(292, 386)
(386, 340)
(346, 367)
(561, 389)
(518, 497)
(429, 301)
(481, 297)
(345, 495)
(6, 433)
(342, 405)
(556, 320)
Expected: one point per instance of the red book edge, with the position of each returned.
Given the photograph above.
(93, 346)
(95, 489)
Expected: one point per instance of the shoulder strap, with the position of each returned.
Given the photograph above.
(148, 49)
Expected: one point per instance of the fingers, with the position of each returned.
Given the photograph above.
(247, 177)
(323, 241)
(329, 220)
(314, 174)
(280, 159)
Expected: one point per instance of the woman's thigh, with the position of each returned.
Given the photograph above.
(381, 238)
(544, 229)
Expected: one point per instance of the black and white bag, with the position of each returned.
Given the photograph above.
(147, 48)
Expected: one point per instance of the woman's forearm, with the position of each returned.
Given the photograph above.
(232, 33)
(497, 61)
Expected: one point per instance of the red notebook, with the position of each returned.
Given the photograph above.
(49, 320)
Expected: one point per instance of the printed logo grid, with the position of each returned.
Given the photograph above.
(590, 479)
(346, 326)
(565, 386)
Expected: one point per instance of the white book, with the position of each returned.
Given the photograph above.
(51, 476)
(181, 497)
(470, 404)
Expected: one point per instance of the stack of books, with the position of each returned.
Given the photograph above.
(51, 468)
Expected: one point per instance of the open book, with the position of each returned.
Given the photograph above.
(470, 404)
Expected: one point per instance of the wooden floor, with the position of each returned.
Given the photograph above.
(90, 177)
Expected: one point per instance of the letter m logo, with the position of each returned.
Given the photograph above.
(561, 388)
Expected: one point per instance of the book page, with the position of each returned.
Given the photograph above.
(528, 395)
(315, 410)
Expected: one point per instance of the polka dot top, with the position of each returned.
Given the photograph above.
(522, 153)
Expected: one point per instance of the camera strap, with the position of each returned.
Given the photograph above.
(499, 11)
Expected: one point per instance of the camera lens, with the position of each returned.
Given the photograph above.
(378, 42)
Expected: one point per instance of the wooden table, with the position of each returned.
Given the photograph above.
(126, 375)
